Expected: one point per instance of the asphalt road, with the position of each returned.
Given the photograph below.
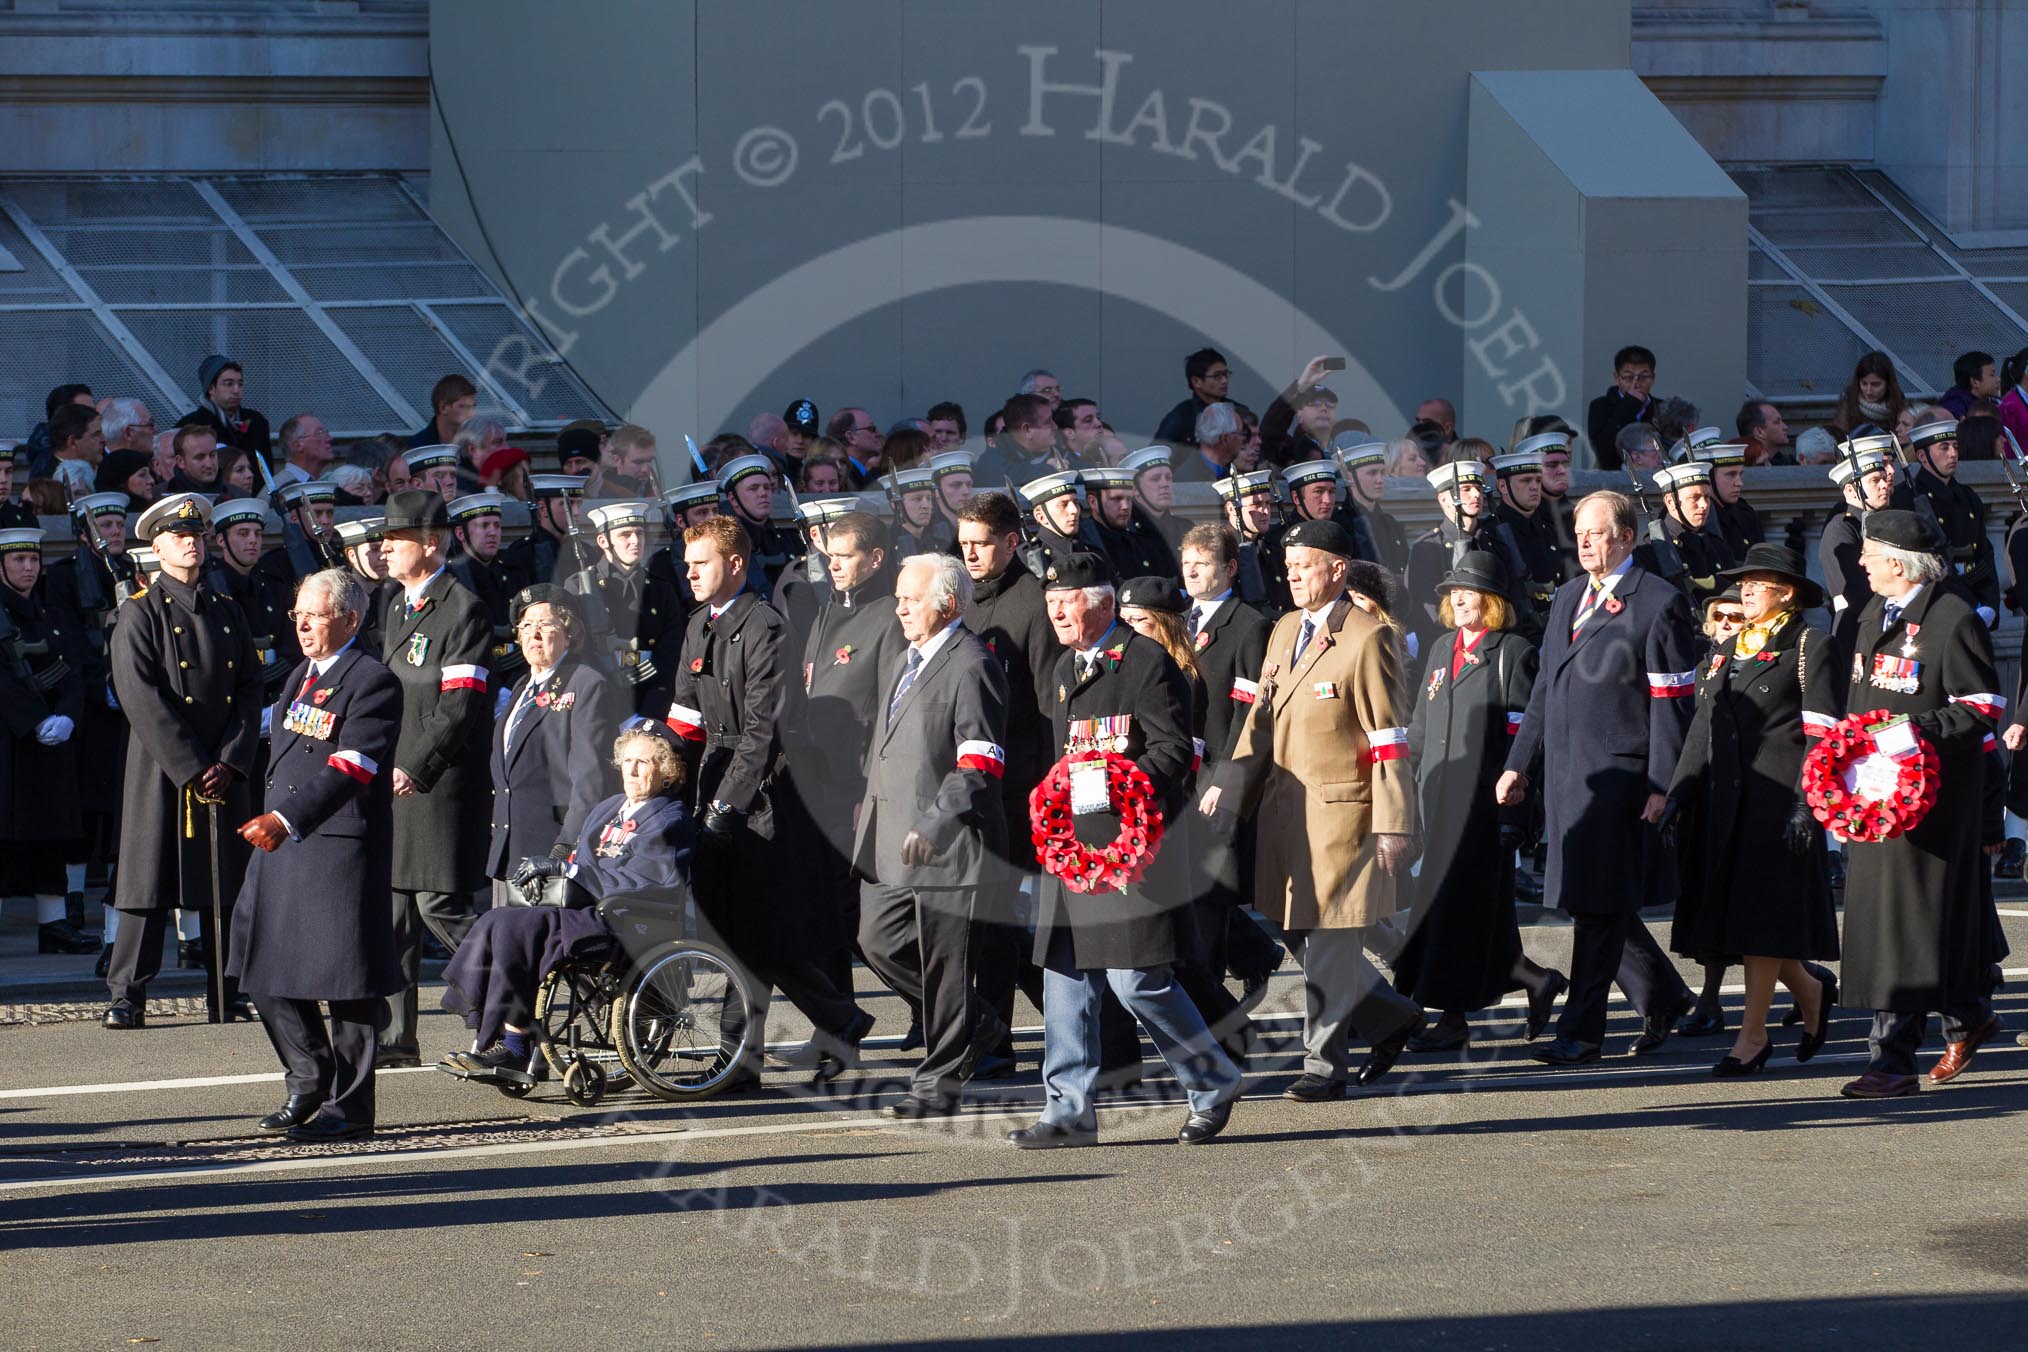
(1469, 1201)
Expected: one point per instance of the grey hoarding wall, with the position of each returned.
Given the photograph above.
(716, 208)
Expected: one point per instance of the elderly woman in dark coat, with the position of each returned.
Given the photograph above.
(1465, 949)
(638, 840)
(1755, 879)
(549, 760)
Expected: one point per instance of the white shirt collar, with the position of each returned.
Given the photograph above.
(1206, 609)
(1906, 599)
(716, 611)
(1612, 579)
(929, 646)
(414, 594)
(320, 665)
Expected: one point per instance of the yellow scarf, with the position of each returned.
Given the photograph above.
(1757, 636)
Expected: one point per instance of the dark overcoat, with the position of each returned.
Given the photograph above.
(1960, 514)
(1845, 583)
(1432, 556)
(438, 651)
(39, 679)
(837, 701)
(184, 669)
(636, 623)
(1231, 649)
(266, 598)
(82, 590)
(314, 919)
(1919, 932)
(1605, 721)
(492, 581)
(1466, 943)
(1009, 616)
(1744, 891)
(1149, 924)
(559, 767)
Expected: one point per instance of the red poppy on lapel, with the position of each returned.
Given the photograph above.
(1203, 640)
(1613, 605)
(696, 664)
(319, 696)
(843, 655)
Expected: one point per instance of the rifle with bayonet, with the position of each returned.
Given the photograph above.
(1033, 553)
(1669, 561)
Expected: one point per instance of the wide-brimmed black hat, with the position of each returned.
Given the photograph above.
(1154, 593)
(1476, 571)
(1902, 529)
(1784, 563)
(1082, 569)
(417, 509)
(1326, 535)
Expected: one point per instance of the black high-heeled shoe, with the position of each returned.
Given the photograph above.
(1732, 1066)
(1813, 1040)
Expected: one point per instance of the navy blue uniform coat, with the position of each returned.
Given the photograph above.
(315, 918)
(560, 766)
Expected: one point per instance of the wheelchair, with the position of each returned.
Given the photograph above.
(648, 1003)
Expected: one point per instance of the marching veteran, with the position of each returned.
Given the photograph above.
(1321, 764)
(315, 919)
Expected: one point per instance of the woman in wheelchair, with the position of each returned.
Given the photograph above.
(638, 841)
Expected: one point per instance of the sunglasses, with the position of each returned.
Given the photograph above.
(1728, 617)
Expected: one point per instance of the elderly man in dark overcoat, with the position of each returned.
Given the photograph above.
(1920, 931)
(1604, 726)
(314, 920)
(1117, 691)
(437, 641)
(185, 671)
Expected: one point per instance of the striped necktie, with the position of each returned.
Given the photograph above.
(901, 687)
(1592, 592)
(1309, 631)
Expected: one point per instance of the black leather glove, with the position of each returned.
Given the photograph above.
(529, 873)
(560, 851)
(1801, 831)
(721, 819)
(1666, 824)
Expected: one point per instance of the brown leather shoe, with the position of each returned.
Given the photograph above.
(1957, 1057)
(1876, 1084)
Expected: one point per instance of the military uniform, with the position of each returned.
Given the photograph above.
(1959, 515)
(41, 707)
(1844, 580)
(185, 671)
(1704, 556)
(636, 626)
(86, 593)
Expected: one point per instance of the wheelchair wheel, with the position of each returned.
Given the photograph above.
(574, 1015)
(685, 1022)
(516, 1089)
(584, 1084)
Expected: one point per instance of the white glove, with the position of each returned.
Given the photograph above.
(54, 730)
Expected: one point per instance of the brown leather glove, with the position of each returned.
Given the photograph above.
(212, 783)
(265, 832)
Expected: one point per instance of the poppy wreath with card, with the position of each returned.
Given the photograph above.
(1835, 770)
(1116, 865)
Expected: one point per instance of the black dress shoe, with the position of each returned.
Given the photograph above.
(1702, 1023)
(912, 1040)
(1542, 1003)
(914, 1108)
(1566, 1051)
(1837, 871)
(2011, 856)
(1315, 1089)
(1050, 1136)
(1731, 1066)
(1388, 1050)
(1448, 1034)
(105, 962)
(994, 1068)
(1201, 1127)
(123, 1017)
(988, 1035)
(1655, 1028)
(1812, 1041)
(330, 1127)
(396, 1058)
(190, 955)
(1823, 974)
(299, 1109)
(495, 1065)
(60, 936)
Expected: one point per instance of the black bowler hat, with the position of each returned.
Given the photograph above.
(543, 594)
(1081, 570)
(1476, 571)
(1328, 536)
(1784, 563)
(417, 509)
(1903, 530)
(1154, 593)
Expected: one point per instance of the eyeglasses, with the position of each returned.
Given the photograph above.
(297, 616)
(1728, 617)
(539, 627)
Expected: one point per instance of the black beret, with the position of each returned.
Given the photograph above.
(1328, 536)
(543, 594)
(1154, 593)
(1081, 570)
(577, 441)
(417, 509)
(1903, 530)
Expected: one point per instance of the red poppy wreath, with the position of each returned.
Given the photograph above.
(1862, 792)
(1111, 867)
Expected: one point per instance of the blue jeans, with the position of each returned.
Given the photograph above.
(1070, 1039)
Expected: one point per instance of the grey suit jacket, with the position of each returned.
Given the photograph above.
(935, 767)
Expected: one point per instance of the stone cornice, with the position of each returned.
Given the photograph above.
(325, 91)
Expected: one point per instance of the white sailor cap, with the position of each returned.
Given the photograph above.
(1670, 478)
(1858, 465)
(431, 457)
(1938, 426)
(1147, 458)
(1719, 453)
(1309, 472)
(950, 462)
(556, 485)
(1516, 462)
(489, 503)
(697, 493)
(911, 480)
(360, 531)
(1697, 438)
(144, 561)
(308, 490)
(1038, 491)
(1453, 473)
(742, 467)
(612, 515)
(1542, 443)
(234, 511)
(100, 504)
(822, 511)
(1353, 451)
(1101, 477)
(1234, 486)
(21, 538)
